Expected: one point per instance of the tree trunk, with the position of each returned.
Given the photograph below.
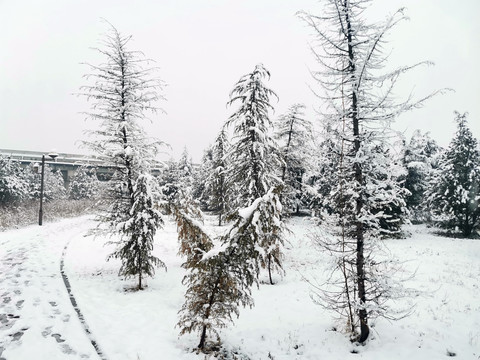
(269, 265)
(203, 336)
(359, 229)
(140, 273)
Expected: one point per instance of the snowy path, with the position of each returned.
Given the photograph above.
(36, 316)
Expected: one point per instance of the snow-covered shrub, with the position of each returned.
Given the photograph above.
(13, 185)
(84, 183)
(53, 183)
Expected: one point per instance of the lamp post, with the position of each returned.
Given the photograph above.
(52, 155)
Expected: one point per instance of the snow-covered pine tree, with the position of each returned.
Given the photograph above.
(419, 160)
(13, 184)
(254, 161)
(137, 232)
(177, 179)
(168, 181)
(385, 193)
(294, 134)
(220, 276)
(256, 237)
(200, 178)
(84, 183)
(215, 184)
(123, 90)
(185, 169)
(454, 192)
(322, 177)
(358, 107)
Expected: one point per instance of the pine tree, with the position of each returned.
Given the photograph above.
(254, 159)
(169, 181)
(137, 232)
(295, 135)
(123, 90)
(454, 196)
(256, 237)
(200, 179)
(216, 184)
(385, 193)
(357, 109)
(185, 168)
(419, 160)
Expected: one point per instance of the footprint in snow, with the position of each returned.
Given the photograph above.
(58, 337)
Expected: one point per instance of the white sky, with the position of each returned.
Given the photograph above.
(202, 48)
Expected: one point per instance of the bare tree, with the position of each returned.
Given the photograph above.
(358, 108)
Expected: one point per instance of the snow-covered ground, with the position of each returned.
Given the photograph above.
(38, 321)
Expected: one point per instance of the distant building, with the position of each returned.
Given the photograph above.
(67, 163)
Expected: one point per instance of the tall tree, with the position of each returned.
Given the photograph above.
(254, 159)
(358, 108)
(123, 89)
(294, 134)
(454, 193)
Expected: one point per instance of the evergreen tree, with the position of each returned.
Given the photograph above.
(123, 90)
(185, 168)
(84, 183)
(256, 237)
(200, 179)
(216, 184)
(254, 158)
(357, 109)
(294, 133)
(454, 196)
(137, 232)
(169, 181)
(419, 157)
(385, 193)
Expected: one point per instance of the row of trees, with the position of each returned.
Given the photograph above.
(360, 185)
(18, 184)
(246, 192)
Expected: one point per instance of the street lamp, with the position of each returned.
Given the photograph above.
(53, 156)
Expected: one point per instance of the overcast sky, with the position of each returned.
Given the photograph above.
(202, 48)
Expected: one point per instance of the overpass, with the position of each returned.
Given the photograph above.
(67, 163)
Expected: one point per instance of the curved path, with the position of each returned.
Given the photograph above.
(37, 320)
